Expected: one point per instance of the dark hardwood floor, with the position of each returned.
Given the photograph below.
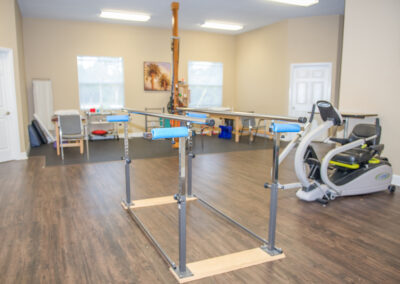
(64, 224)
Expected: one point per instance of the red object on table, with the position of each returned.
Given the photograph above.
(99, 132)
(92, 110)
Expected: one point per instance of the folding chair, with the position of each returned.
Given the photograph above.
(70, 130)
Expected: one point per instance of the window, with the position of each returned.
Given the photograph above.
(205, 83)
(101, 82)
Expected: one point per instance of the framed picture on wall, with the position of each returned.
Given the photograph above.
(157, 76)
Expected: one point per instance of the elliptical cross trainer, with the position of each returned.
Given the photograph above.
(356, 167)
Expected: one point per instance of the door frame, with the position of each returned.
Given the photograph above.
(305, 64)
(11, 97)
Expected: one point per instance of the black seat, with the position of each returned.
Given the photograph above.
(354, 156)
(360, 155)
(362, 131)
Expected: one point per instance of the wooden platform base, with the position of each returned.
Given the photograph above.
(226, 263)
(154, 201)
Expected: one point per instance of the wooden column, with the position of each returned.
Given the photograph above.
(175, 52)
(175, 64)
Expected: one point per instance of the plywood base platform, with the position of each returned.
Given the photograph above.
(154, 201)
(226, 263)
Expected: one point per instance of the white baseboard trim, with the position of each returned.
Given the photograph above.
(134, 134)
(21, 156)
(131, 135)
(396, 180)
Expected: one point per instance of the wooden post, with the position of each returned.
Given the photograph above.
(175, 52)
(175, 64)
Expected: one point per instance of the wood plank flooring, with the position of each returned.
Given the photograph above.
(64, 224)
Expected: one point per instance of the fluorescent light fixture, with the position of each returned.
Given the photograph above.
(304, 3)
(222, 26)
(124, 15)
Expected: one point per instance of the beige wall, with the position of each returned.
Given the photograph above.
(51, 48)
(263, 59)
(371, 66)
(7, 26)
(23, 102)
(261, 68)
(11, 37)
(316, 39)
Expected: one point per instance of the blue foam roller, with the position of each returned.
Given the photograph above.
(197, 115)
(117, 118)
(173, 132)
(285, 127)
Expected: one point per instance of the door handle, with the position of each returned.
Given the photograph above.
(8, 113)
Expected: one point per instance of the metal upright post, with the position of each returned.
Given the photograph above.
(87, 136)
(189, 179)
(127, 168)
(182, 270)
(190, 157)
(271, 249)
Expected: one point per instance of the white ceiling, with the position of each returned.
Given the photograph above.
(250, 13)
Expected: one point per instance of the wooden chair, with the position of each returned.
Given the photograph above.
(71, 131)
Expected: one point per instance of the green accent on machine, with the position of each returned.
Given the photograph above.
(354, 166)
(343, 165)
(374, 161)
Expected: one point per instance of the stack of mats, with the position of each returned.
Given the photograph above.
(36, 135)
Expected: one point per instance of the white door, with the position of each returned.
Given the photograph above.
(9, 140)
(309, 82)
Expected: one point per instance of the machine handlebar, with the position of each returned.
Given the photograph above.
(312, 113)
(210, 122)
(302, 119)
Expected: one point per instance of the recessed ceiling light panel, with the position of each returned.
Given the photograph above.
(221, 26)
(124, 15)
(304, 3)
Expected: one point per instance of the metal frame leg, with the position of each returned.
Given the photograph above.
(128, 183)
(202, 138)
(87, 140)
(61, 145)
(189, 175)
(257, 127)
(189, 166)
(270, 248)
(182, 271)
(128, 201)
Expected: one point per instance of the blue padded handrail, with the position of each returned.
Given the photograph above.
(285, 127)
(197, 115)
(117, 118)
(174, 132)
